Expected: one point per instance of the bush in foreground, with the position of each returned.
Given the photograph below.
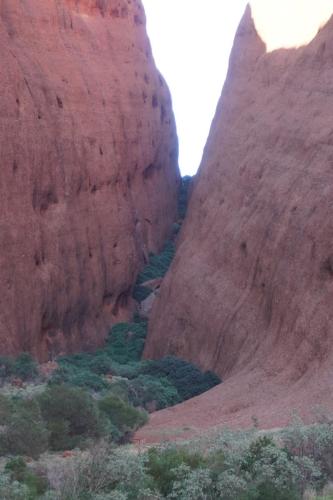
(121, 415)
(12, 490)
(163, 466)
(19, 472)
(23, 367)
(232, 466)
(25, 432)
(71, 416)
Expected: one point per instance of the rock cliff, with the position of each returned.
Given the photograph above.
(89, 174)
(249, 294)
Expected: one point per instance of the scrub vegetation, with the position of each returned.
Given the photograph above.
(293, 464)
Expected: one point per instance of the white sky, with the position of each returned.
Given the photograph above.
(191, 41)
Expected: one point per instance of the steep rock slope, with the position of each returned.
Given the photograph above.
(89, 174)
(249, 294)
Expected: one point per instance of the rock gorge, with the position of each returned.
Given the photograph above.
(89, 173)
(249, 293)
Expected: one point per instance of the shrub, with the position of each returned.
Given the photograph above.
(71, 416)
(79, 360)
(274, 475)
(16, 468)
(18, 471)
(6, 408)
(104, 474)
(72, 364)
(176, 228)
(191, 484)
(185, 377)
(152, 392)
(126, 342)
(12, 490)
(6, 366)
(25, 367)
(314, 441)
(255, 452)
(100, 363)
(231, 485)
(26, 433)
(88, 380)
(158, 264)
(242, 466)
(120, 388)
(129, 370)
(70, 374)
(60, 438)
(140, 292)
(162, 465)
(37, 484)
(139, 319)
(63, 374)
(124, 417)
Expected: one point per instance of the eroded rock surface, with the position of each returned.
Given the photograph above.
(89, 175)
(249, 293)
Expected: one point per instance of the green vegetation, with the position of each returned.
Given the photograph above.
(23, 367)
(6, 406)
(147, 384)
(122, 415)
(25, 432)
(226, 466)
(63, 418)
(71, 416)
(126, 342)
(185, 377)
(34, 483)
(140, 293)
(157, 266)
(92, 396)
(152, 393)
(163, 465)
(71, 374)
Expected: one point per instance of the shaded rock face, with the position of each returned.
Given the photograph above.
(249, 293)
(89, 174)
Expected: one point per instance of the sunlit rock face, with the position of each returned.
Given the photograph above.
(249, 294)
(89, 175)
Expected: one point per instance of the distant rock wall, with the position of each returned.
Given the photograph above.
(89, 172)
(249, 293)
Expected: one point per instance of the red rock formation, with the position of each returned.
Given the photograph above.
(249, 294)
(89, 172)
